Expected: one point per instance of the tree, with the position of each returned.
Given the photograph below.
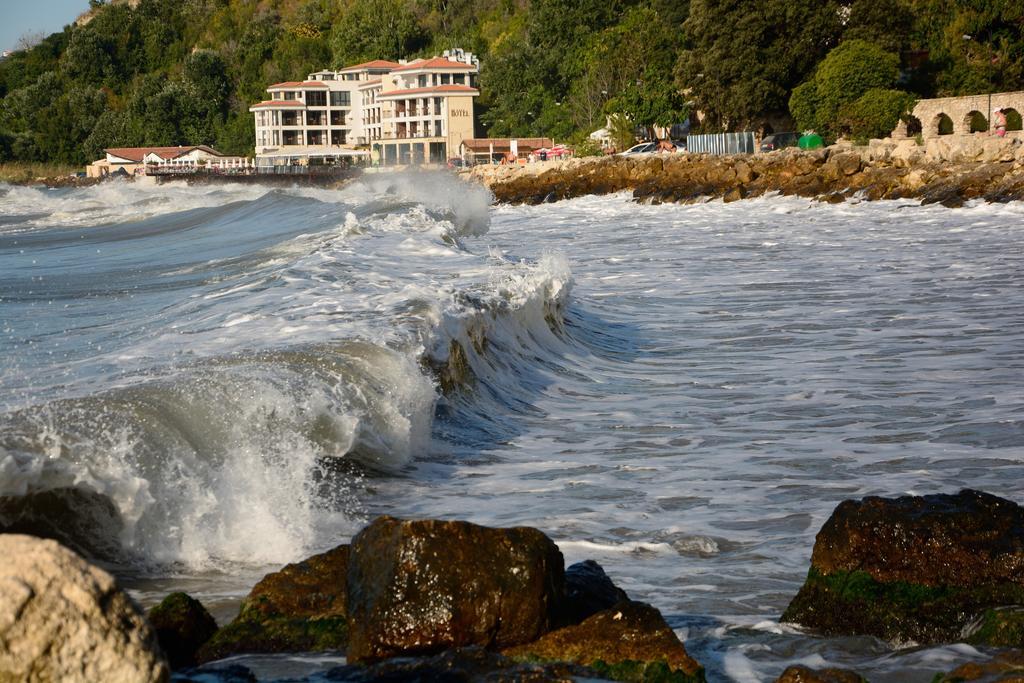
(848, 72)
(744, 59)
(376, 29)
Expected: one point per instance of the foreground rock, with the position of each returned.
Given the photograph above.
(1007, 667)
(420, 587)
(182, 626)
(301, 608)
(930, 569)
(62, 619)
(629, 642)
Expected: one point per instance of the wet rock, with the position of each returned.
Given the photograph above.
(469, 664)
(919, 569)
(629, 642)
(1006, 667)
(803, 674)
(733, 195)
(588, 590)
(86, 522)
(182, 626)
(301, 608)
(419, 587)
(62, 619)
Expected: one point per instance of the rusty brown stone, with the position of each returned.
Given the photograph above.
(419, 587)
(628, 632)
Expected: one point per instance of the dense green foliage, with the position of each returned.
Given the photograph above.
(166, 72)
(875, 113)
(847, 72)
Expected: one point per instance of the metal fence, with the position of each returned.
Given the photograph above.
(721, 143)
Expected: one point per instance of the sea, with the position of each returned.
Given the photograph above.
(199, 384)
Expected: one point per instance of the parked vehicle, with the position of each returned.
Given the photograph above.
(779, 141)
(642, 148)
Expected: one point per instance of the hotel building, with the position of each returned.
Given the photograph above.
(398, 113)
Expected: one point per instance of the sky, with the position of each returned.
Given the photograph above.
(18, 17)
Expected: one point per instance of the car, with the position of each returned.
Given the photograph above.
(778, 141)
(642, 148)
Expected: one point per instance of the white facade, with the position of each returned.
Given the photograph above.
(402, 112)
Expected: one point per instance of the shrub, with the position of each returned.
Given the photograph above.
(876, 113)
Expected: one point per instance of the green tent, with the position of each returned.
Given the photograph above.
(810, 141)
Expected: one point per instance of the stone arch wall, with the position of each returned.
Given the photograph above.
(959, 110)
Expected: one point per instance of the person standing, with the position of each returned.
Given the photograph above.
(999, 122)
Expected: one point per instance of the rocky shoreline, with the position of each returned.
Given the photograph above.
(989, 169)
(414, 600)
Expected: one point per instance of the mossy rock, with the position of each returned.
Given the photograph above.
(277, 635)
(917, 568)
(999, 627)
(182, 626)
(301, 608)
(854, 603)
(629, 642)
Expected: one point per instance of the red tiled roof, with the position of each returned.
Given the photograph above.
(435, 63)
(279, 103)
(376, 81)
(375, 64)
(298, 84)
(433, 89)
(138, 153)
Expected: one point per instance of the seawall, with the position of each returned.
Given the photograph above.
(939, 172)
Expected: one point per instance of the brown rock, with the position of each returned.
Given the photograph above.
(1007, 667)
(917, 569)
(733, 195)
(301, 608)
(631, 634)
(419, 587)
(803, 674)
(744, 173)
(979, 538)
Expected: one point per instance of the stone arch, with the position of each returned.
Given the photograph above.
(975, 122)
(913, 126)
(1013, 119)
(942, 124)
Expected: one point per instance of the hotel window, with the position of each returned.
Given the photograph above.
(446, 79)
(459, 79)
(337, 118)
(341, 98)
(289, 95)
(437, 106)
(437, 129)
(277, 138)
(422, 81)
(316, 98)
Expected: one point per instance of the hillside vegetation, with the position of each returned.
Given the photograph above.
(167, 72)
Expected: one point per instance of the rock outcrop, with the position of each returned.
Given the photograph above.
(926, 569)
(629, 642)
(62, 619)
(302, 607)
(420, 587)
(882, 170)
(182, 626)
